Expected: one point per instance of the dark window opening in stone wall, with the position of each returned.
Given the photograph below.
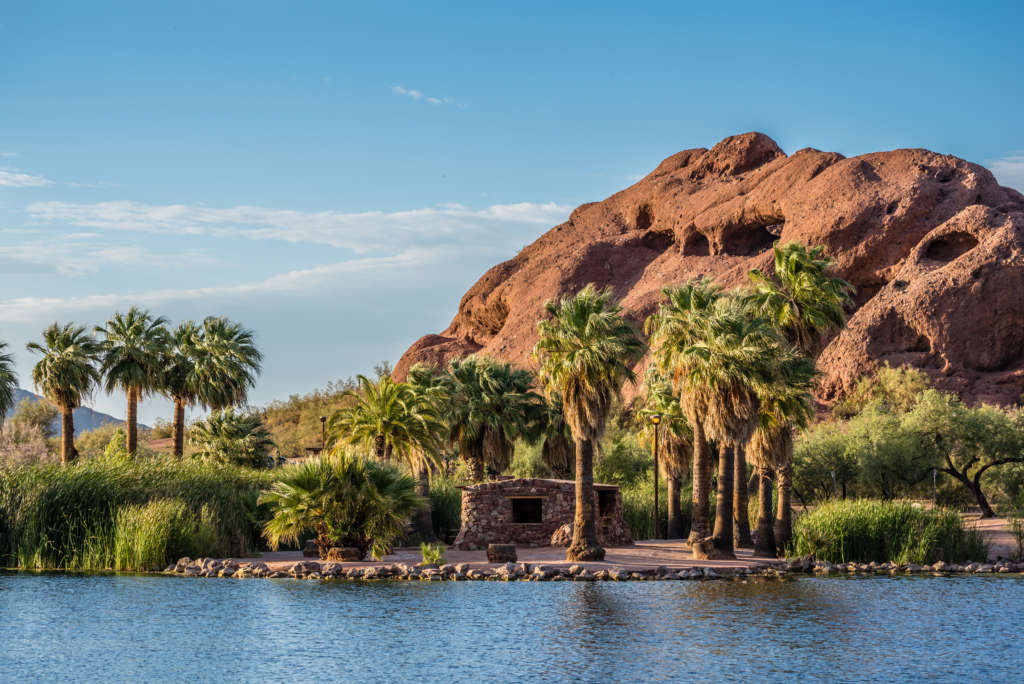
(605, 502)
(527, 510)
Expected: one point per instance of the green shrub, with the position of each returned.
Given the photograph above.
(71, 517)
(528, 462)
(445, 507)
(868, 530)
(433, 554)
(638, 504)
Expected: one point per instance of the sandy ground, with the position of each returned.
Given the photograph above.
(642, 555)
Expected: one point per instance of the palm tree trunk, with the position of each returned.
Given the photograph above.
(765, 535)
(783, 514)
(476, 468)
(675, 517)
(380, 446)
(424, 523)
(67, 434)
(585, 546)
(723, 500)
(131, 421)
(740, 510)
(179, 427)
(700, 522)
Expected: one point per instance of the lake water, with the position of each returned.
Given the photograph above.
(152, 628)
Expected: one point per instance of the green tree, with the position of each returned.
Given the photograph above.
(131, 361)
(675, 440)
(233, 437)
(345, 500)
(891, 389)
(727, 369)
(8, 382)
(678, 324)
(489, 406)
(823, 466)
(38, 413)
(586, 350)
(66, 374)
(226, 363)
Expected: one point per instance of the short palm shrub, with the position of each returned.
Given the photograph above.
(126, 513)
(344, 500)
(433, 554)
(868, 530)
(231, 436)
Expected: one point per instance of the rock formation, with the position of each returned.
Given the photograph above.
(933, 244)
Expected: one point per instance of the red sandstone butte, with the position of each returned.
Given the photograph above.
(934, 245)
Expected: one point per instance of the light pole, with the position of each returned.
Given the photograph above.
(655, 420)
(323, 434)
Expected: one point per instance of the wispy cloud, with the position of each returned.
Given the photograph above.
(8, 154)
(22, 309)
(1009, 170)
(361, 232)
(14, 179)
(421, 96)
(78, 254)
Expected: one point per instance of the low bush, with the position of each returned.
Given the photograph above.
(126, 514)
(868, 530)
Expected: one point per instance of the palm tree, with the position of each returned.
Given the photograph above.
(8, 382)
(806, 303)
(395, 421)
(677, 324)
(345, 500)
(785, 406)
(66, 374)
(131, 361)
(726, 369)
(489, 405)
(586, 351)
(226, 363)
(675, 440)
(429, 394)
(233, 437)
(178, 379)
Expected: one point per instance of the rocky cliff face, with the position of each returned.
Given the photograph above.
(933, 244)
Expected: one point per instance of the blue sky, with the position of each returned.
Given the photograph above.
(336, 175)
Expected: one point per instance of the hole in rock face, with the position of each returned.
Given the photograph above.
(750, 240)
(696, 245)
(893, 206)
(948, 247)
(656, 240)
(644, 218)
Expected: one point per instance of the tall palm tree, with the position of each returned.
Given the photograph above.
(178, 379)
(785, 406)
(489, 405)
(131, 361)
(679, 323)
(394, 421)
(806, 303)
(727, 369)
(675, 440)
(226, 363)
(430, 395)
(66, 374)
(586, 350)
(8, 382)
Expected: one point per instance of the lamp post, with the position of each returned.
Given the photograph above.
(323, 434)
(655, 420)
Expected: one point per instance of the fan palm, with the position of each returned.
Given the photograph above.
(586, 352)
(233, 437)
(726, 369)
(66, 374)
(489, 405)
(226, 363)
(556, 446)
(785, 406)
(178, 379)
(131, 361)
(8, 382)
(429, 393)
(679, 323)
(806, 303)
(345, 500)
(675, 440)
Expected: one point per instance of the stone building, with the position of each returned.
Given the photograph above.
(527, 511)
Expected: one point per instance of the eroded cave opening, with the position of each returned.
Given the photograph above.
(644, 219)
(947, 247)
(696, 244)
(751, 240)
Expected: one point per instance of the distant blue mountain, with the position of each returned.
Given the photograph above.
(85, 418)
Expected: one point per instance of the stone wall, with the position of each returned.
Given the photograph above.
(487, 513)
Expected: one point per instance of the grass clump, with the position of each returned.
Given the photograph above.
(126, 514)
(868, 530)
